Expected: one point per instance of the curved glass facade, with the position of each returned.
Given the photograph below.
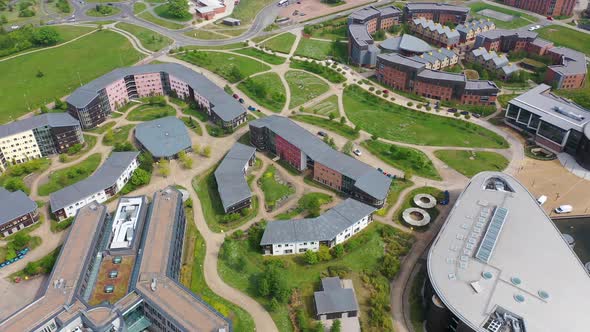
(583, 152)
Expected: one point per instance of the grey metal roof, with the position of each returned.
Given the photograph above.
(510, 69)
(414, 44)
(389, 10)
(323, 228)
(434, 6)
(541, 42)
(163, 137)
(365, 13)
(231, 184)
(14, 205)
(498, 33)
(359, 33)
(401, 60)
(226, 107)
(572, 62)
(442, 75)
(48, 119)
(103, 178)
(334, 298)
(373, 182)
(439, 28)
(480, 85)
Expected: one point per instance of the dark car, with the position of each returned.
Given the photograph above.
(241, 100)
(379, 169)
(452, 110)
(236, 96)
(323, 134)
(550, 18)
(476, 115)
(446, 199)
(251, 108)
(464, 113)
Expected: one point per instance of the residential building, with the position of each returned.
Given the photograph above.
(436, 11)
(539, 46)
(230, 175)
(505, 40)
(207, 9)
(105, 183)
(163, 138)
(92, 103)
(499, 263)
(305, 152)
(362, 24)
(437, 59)
(18, 211)
(407, 45)
(38, 136)
(492, 61)
(336, 299)
(545, 7)
(285, 237)
(411, 75)
(557, 124)
(470, 30)
(435, 33)
(137, 251)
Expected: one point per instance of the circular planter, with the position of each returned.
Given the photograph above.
(425, 201)
(416, 217)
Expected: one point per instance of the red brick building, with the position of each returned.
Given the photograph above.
(545, 7)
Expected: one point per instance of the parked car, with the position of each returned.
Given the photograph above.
(446, 199)
(390, 176)
(550, 18)
(236, 96)
(380, 170)
(323, 134)
(385, 91)
(357, 152)
(542, 199)
(452, 110)
(476, 115)
(251, 108)
(464, 113)
(241, 100)
(532, 29)
(537, 27)
(564, 209)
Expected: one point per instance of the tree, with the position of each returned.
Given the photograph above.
(39, 73)
(140, 177)
(45, 36)
(75, 148)
(332, 116)
(3, 19)
(336, 326)
(60, 105)
(347, 148)
(408, 175)
(357, 129)
(274, 305)
(342, 120)
(390, 266)
(43, 109)
(206, 151)
(123, 146)
(271, 283)
(32, 268)
(311, 257)
(21, 240)
(338, 250)
(374, 137)
(177, 8)
(164, 168)
(324, 254)
(15, 184)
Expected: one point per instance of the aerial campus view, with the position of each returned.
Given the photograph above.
(294, 165)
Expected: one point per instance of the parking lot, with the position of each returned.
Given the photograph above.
(308, 9)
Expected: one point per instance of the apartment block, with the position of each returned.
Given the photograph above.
(436, 11)
(545, 7)
(18, 211)
(470, 30)
(435, 33)
(230, 175)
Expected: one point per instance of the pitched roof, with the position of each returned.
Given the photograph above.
(407, 43)
(164, 137)
(226, 107)
(322, 228)
(442, 75)
(401, 60)
(572, 62)
(435, 6)
(439, 28)
(14, 205)
(103, 178)
(231, 184)
(365, 13)
(480, 85)
(333, 298)
(49, 119)
(359, 33)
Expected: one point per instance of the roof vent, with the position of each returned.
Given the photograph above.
(519, 298)
(543, 294)
(166, 134)
(487, 275)
(515, 281)
(154, 284)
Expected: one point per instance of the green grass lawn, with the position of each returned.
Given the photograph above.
(103, 127)
(162, 11)
(150, 112)
(192, 125)
(326, 72)
(303, 204)
(397, 123)
(70, 175)
(247, 10)
(470, 163)
(304, 87)
(562, 36)
(232, 67)
(409, 202)
(321, 50)
(331, 125)
(89, 143)
(163, 23)
(218, 48)
(397, 186)
(272, 188)
(138, 7)
(119, 135)
(580, 96)
(265, 89)
(205, 35)
(261, 55)
(151, 40)
(281, 43)
(505, 98)
(64, 68)
(403, 158)
(520, 19)
(206, 189)
(109, 12)
(324, 107)
(192, 277)
(334, 29)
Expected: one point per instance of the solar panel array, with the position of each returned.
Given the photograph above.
(484, 253)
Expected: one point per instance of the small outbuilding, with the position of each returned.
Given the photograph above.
(231, 21)
(163, 138)
(335, 300)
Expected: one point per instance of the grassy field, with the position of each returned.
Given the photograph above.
(580, 96)
(263, 56)
(266, 89)
(397, 123)
(519, 20)
(304, 87)
(192, 125)
(229, 66)
(403, 158)
(505, 98)
(204, 34)
(319, 69)
(103, 127)
(163, 23)
(321, 50)
(150, 112)
(331, 125)
(324, 106)
(162, 11)
(397, 186)
(151, 40)
(301, 208)
(247, 10)
(22, 91)
(409, 202)
(192, 277)
(567, 37)
(334, 29)
(109, 12)
(70, 175)
(138, 7)
(119, 135)
(206, 189)
(281, 43)
(272, 188)
(470, 163)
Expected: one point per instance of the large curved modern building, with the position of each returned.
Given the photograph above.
(499, 264)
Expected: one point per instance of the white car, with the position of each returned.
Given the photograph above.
(357, 152)
(14, 27)
(542, 199)
(537, 27)
(564, 209)
(533, 28)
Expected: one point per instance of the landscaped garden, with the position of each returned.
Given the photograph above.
(232, 67)
(275, 189)
(169, 11)
(395, 189)
(150, 112)
(394, 122)
(370, 258)
(103, 11)
(261, 55)
(36, 79)
(322, 50)
(519, 20)
(332, 125)
(78, 150)
(192, 124)
(151, 40)
(70, 175)
(403, 158)
(281, 43)
(13, 177)
(265, 89)
(309, 206)
(324, 107)
(304, 87)
(319, 69)
(409, 203)
(117, 135)
(562, 36)
(469, 163)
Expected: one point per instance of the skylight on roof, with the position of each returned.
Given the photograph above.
(487, 245)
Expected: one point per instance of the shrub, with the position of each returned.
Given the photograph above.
(324, 254)
(311, 257)
(338, 251)
(456, 115)
(378, 92)
(467, 117)
(371, 89)
(410, 104)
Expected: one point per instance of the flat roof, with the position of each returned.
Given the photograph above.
(49, 119)
(359, 33)
(435, 6)
(63, 281)
(164, 137)
(229, 175)
(401, 60)
(14, 205)
(530, 271)
(125, 222)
